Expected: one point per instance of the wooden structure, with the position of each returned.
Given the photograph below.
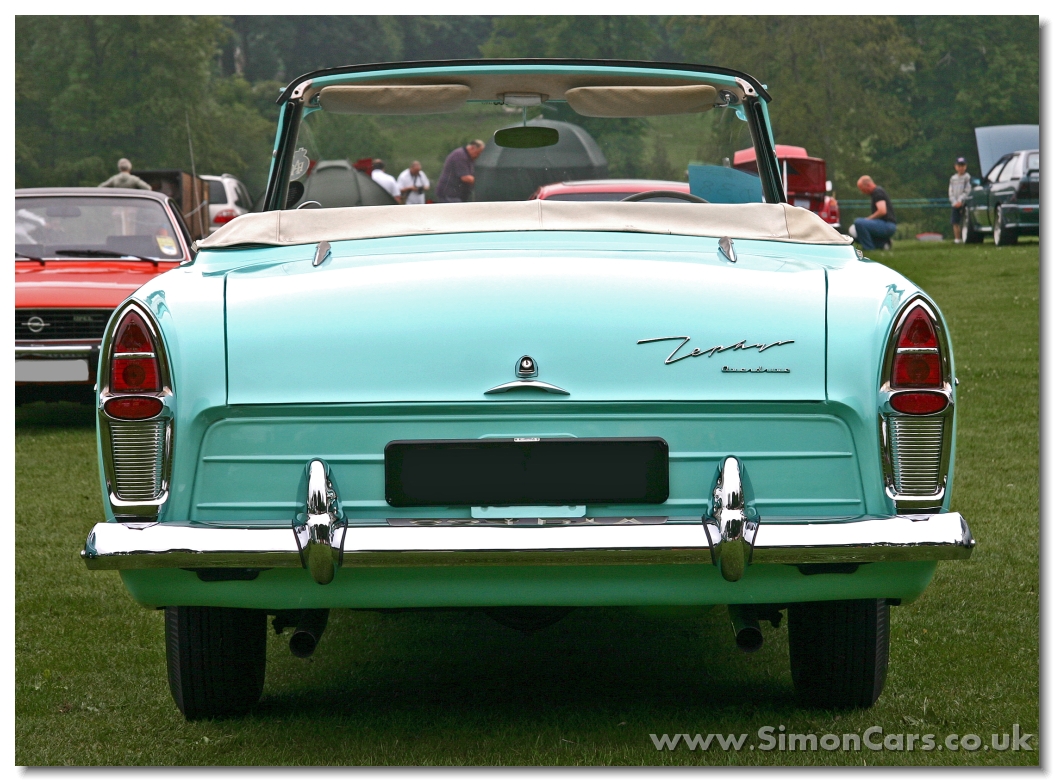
(190, 194)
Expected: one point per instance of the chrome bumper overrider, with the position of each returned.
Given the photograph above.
(322, 539)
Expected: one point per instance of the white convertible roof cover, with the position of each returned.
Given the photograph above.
(763, 221)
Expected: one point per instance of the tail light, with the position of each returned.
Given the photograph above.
(134, 366)
(917, 362)
(223, 216)
(135, 422)
(916, 432)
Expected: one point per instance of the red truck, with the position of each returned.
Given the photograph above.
(804, 179)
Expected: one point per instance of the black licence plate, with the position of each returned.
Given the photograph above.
(527, 471)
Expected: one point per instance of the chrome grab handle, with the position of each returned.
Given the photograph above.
(528, 385)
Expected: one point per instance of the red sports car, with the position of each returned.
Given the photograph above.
(611, 190)
(804, 179)
(79, 252)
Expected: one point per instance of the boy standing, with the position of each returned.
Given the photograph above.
(958, 190)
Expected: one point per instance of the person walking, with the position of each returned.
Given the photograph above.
(459, 173)
(413, 182)
(125, 178)
(875, 230)
(385, 180)
(958, 190)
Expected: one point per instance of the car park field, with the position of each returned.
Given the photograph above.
(454, 688)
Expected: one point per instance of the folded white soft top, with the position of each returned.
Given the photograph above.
(769, 222)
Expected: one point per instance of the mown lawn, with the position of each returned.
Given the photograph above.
(455, 688)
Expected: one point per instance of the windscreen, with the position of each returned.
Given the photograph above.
(86, 227)
(490, 151)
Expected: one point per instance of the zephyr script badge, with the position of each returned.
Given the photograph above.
(710, 352)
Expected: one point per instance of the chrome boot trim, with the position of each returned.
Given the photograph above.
(731, 531)
(320, 533)
(323, 250)
(727, 249)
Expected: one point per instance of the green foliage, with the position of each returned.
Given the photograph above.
(838, 85)
(598, 37)
(895, 97)
(92, 89)
(968, 75)
(333, 137)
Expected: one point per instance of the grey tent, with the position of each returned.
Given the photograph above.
(514, 174)
(335, 183)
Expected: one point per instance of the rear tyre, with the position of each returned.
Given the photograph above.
(1002, 235)
(839, 652)
(970, 232)
(216, 659)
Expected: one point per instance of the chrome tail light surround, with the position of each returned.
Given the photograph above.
(136, 454)
(137, 449)
(916, 449)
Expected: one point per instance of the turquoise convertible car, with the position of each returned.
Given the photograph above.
(687, 398)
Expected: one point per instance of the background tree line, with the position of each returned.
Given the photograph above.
(897, 97)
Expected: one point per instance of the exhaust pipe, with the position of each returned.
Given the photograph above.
(745, 627)
(309, 629)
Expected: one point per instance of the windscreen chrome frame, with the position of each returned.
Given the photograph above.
(292, 102)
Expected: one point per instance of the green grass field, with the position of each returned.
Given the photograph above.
(452, 688)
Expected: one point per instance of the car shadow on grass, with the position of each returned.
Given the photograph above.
(54, 414)
(458, 667)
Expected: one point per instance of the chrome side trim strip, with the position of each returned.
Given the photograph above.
(35, 351)
(196, 545)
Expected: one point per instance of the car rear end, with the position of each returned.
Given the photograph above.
(608, 450)
(535, 405)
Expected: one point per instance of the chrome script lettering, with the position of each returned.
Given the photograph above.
(712, 351)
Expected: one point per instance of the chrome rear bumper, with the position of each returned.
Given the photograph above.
(322, 539)
(201, 545)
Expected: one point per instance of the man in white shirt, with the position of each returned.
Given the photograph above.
(413, 183)
(386, 180)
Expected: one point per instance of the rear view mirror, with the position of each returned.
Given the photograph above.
(830, 186)
(526, 137)
(64, 210)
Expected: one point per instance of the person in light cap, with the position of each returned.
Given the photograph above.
(125, 178)
(958, 190)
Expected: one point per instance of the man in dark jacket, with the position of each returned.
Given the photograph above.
(459, 173)
(875, 230)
